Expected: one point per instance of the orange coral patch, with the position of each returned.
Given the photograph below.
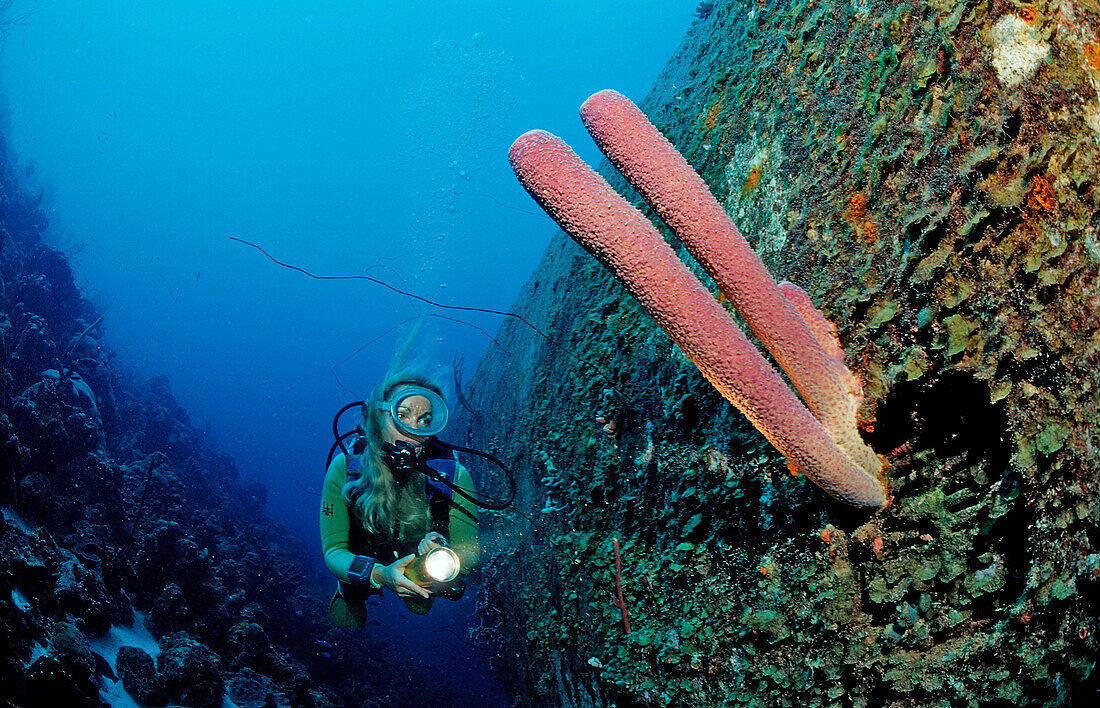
(870, 231)
(713, 113)
(751, 181)
(855, 214)
(1027, 14)
(1092, 56)
(1040, 198)
(856, 209)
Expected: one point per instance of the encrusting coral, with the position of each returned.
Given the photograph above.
(824, 444)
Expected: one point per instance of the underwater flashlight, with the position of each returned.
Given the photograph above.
(439, 565)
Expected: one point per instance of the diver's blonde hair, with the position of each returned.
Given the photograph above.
(374, 497)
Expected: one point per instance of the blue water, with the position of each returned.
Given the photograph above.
(345, 138)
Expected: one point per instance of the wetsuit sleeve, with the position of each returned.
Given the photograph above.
(463, 528)
(335, 521)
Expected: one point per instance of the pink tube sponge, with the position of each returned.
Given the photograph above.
(586, 207)
(824, 332)
(680, 197)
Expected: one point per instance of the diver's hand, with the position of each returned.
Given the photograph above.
(430, 541)
(393, 577)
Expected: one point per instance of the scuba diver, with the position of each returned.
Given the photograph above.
(396, 509)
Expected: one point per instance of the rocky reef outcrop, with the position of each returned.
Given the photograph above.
(926, 171)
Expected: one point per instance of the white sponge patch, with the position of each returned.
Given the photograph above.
(1017, 51)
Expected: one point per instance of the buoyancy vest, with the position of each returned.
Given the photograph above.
(440, 500)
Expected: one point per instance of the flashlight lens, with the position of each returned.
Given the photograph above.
(441, 564)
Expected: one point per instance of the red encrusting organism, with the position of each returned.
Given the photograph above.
(618, 600)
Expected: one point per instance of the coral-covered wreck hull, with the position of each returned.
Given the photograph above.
(926, 171)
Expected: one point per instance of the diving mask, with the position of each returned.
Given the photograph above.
(417, 410)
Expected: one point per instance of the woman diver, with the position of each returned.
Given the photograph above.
(393, 498)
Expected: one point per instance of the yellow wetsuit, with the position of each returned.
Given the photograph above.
(336, 526)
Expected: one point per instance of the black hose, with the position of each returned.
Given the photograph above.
(493, 504)
(433, 303)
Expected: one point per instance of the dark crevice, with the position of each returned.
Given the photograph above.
(997, 218)
(952, 421)
(1044, 370)
(861, 310)
(1010, 129)
(931, 239)
(951, 415)
(983, 168)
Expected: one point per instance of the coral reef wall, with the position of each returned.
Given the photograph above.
(927, 171)
(123, 524)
